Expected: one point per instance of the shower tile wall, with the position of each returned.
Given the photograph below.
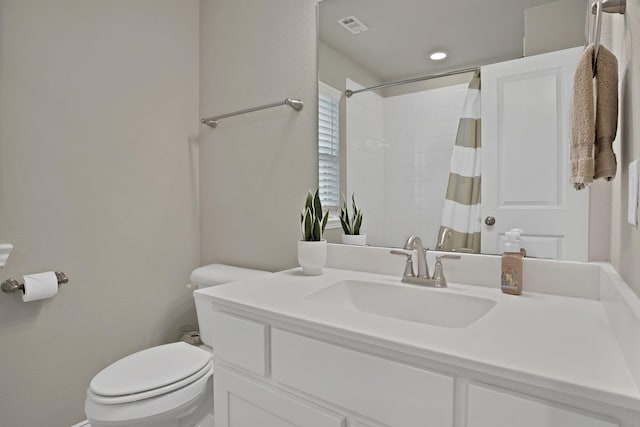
(365, 159)
(404, 178)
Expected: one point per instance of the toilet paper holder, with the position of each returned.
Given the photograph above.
(13, 285)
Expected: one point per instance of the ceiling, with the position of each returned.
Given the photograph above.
(404, 32)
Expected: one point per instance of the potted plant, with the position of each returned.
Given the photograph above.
(351, 226)
(312, 249)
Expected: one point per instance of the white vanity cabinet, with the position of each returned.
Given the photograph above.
(271, 373)
(383, 391)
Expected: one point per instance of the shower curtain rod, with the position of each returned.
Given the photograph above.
(350, 92)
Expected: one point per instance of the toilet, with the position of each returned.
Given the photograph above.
(169, 385)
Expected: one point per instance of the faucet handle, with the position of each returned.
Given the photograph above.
(408, 267)
(401, 252)
(438, 272)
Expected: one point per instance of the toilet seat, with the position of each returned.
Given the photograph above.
(165, 405)
(150, 369)
(127, 398)
(150, 382)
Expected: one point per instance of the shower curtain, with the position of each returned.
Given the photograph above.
(461, 213)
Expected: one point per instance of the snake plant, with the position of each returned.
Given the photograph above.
(350, 225)
(312, 219)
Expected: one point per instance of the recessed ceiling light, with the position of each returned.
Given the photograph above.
(437, 56)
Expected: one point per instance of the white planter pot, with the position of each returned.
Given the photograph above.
(354, 239)
(312, 256)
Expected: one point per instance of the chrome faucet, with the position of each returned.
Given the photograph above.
(445, 233)
(415, 243)
(422, 278)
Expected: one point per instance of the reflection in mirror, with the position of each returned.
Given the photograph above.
(411, 152)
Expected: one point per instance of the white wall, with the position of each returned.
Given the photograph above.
(255, 169)
(621, 33)
(554, 26)
(97, 179)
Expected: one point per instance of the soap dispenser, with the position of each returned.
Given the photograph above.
(511, 278)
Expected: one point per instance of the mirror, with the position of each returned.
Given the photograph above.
(399, 164)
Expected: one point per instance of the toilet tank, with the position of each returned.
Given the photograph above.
(212, 275)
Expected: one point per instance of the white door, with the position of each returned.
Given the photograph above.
(525, 157)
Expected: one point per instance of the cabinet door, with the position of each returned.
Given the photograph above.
(389, 392)
(241, 402)
(242, 342)
(525, 157)
(491, 408)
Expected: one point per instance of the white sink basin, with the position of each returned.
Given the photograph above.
(416, 304)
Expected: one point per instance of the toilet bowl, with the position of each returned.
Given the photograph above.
(169, 385)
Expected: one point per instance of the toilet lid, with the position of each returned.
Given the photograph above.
(150, 369)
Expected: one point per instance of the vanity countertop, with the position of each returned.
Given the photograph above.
(556, 342)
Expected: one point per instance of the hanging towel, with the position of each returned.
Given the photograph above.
(606, 114)
(594, 118)
(582, 130)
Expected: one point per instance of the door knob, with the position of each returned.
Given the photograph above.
(489, 220)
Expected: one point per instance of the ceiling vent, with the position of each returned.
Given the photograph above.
(353, 25)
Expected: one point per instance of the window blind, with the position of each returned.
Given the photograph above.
(329, 146)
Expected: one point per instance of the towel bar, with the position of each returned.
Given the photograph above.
(296, 104)
(593, 32)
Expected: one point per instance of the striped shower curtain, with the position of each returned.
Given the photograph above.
(461, 213)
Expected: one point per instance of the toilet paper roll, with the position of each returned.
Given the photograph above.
(40, 286)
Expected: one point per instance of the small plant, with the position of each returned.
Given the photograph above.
(350, 226)
(312, 219)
